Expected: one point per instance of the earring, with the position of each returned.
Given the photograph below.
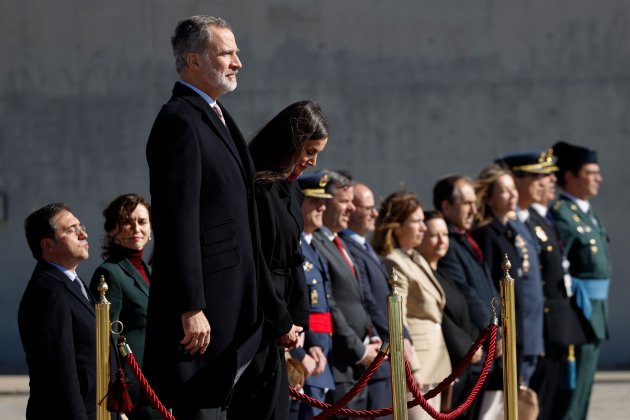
(150, 237)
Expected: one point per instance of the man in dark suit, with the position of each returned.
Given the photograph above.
(374, 280)
(56, 319)
(203, 324)
(354, 346)
(585, 243)
(454, 196)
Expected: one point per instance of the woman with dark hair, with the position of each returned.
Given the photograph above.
(281, 151)
(459, 331)
(127, 231)
(399, 230)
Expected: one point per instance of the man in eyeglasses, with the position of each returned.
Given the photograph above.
(56, 319)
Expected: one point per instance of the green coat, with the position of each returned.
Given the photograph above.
(586, 247)
(129, 297)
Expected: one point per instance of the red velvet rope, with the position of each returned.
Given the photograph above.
(489, 334)
(146, 388)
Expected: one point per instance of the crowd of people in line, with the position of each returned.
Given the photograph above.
(257, 267)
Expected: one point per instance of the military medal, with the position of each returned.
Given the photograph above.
(541, 234)
(576, 218)
(314, 295)
(308, 266)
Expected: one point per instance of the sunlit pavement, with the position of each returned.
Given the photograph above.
(610, 400)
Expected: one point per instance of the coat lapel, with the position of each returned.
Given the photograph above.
(131, 271)
(65, 282)
(213, 121)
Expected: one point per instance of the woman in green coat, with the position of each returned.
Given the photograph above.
(127, 231)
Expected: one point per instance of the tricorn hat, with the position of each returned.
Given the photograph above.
(571, 157)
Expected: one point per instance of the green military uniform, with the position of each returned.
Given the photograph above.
(586, 247)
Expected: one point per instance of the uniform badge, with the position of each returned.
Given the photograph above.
(541, 234)
(576, 218)
(573, 207)
(308, 266)
(314, 297)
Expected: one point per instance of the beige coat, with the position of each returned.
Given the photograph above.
(423, 306)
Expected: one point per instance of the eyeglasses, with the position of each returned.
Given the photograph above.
(76, 229)
(369, 209)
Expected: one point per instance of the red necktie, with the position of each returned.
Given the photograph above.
(344, 254)
(475, 247)
(217, 111)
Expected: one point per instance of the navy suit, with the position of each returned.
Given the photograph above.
(375, 291)
(58, 331)
(496, 239)
(318, 285)
(473, 278)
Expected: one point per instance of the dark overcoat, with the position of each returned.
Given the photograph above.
(205, 253)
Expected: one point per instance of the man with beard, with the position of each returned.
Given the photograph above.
(203, 325)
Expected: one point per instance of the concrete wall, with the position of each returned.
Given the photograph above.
(413, 90)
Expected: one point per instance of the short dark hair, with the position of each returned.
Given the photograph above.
(192, 35)
(277, 147)
(39, 225)
(432, 214)
(446, 189)
(117, 213)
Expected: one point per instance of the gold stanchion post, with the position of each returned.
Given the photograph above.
(396, 351)
(102, 351)
(508, 317)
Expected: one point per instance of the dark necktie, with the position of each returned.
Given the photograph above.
(344, 254)
(77, 284)
(217, 111)
(371, 251)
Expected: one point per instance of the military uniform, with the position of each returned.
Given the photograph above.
(585, 243)
(320, 320)
(320, 333)
(563, 323)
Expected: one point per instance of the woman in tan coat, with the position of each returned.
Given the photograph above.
(399, 229)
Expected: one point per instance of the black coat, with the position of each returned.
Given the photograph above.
(459, 331)
(280, 215)
(205, 253)
(263, 391)
(473, 279)
(351, 321)
(58, 331)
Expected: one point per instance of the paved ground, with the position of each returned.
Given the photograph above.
(610, 401)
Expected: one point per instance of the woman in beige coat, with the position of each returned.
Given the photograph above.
(399, 229)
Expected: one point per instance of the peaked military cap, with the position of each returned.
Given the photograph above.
(532, 162)
(313, 185)
(571, 157)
